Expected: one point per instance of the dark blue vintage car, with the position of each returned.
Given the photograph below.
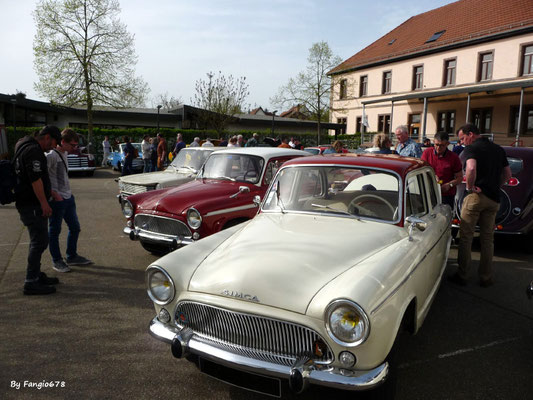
(116, 158)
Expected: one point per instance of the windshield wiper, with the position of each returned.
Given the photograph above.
(224, 177)
(336, 210)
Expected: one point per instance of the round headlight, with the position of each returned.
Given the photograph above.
(194, 219)
(160, 286)
(127, 209)
(347, 323)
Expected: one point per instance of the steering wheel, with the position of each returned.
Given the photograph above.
(252, 173)
(353, 206)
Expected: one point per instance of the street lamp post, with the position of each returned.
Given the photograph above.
(273, 115)
(14, 102)
(158, 108)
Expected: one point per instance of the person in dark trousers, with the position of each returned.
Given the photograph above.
(486, 170)
(153, 154)
(63, 205)
(32, 193)
(129, 153)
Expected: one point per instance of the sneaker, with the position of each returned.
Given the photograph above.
(61, 266)
(78, 260)
(457, 280)
(45, 280)
(37, 288)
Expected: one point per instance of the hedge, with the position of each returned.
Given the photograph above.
(136, 135)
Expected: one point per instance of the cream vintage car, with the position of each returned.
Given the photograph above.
(346, 252)
(182, 169)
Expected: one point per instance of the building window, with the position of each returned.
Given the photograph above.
(449, 72)
(384, 123)
(418, 77)
(414, 126)
(435, 36)
(485, 67)
(342, 89)
(527, 60)
(342, 131)
(482, 118)
(363, 86)
(359, 124)
(526, 127)
(387, 80)
(446, 122)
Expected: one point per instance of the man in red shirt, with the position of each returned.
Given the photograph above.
(447, 166)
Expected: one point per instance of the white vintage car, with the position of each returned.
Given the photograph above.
(181, 170)
(346, 252)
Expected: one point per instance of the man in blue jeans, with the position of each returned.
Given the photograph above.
(63, 205)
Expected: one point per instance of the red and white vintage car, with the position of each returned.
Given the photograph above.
(227, 191)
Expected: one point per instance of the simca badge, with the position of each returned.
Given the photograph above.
(240, 295)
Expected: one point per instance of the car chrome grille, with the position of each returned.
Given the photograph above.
(77, 162)
(252, 336)
(161, 225)
(134, 189)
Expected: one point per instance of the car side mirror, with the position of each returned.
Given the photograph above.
(415, 222)
(257, 200)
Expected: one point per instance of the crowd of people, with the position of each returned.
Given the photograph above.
(44, 198)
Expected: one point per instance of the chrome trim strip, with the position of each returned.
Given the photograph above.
(322, 375)
(228, 210)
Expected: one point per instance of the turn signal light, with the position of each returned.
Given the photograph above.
(455, 221)
(499, 227)
(512, 182)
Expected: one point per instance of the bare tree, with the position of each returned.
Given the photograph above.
(85, 56)
(219, 99)
(167, 101)
(313, 86)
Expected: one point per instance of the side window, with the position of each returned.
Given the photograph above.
(432, 192)
(416, 203)
(271, 170)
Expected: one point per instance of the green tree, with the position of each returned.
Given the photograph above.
(313, 86)
(219, 99)
(85, 56)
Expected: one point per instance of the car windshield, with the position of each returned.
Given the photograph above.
(234, 167)
(136, 145)
(331, 190)
(190, 159)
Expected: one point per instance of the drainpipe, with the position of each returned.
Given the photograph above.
(519, 117)
(425, 118)
(467, 108)
(391, 116)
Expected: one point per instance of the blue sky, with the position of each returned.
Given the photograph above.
(178, 42)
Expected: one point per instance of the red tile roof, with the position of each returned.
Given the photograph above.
(462, 21)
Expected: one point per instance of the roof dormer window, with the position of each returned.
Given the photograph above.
(435, 36)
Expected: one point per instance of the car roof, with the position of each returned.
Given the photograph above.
(394, 162)
(265, 152)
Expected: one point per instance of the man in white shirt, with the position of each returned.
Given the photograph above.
(63, 204)
(195, 142)
(208, 143)
(147, 153)
(107, 150)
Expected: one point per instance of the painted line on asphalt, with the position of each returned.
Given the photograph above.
(461, 351)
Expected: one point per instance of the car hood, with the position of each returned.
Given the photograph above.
(162, 177)
(283, 260)
(197, 193)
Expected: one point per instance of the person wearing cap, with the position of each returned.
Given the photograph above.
(32, 194)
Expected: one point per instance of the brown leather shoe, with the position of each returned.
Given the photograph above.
(485, 283)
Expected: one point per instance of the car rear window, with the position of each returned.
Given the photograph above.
(516, 165)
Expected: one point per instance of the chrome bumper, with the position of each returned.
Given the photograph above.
(184, 341)
(171, 241)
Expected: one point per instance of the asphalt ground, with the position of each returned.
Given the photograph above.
(91, 340)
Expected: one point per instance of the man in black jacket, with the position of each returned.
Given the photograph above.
(32, 194)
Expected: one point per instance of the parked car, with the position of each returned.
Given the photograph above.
(346, 252)
(80, 160)
(116, 158)
(515, 215)
(226, 192)
(315, 150)
(182, 169)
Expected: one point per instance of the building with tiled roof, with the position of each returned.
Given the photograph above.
(471, 60)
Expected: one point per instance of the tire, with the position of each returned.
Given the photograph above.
(155, 249)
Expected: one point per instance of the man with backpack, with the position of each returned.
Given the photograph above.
(63, 204)
(32, 193)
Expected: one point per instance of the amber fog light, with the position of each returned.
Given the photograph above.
(164, 316)
(347, 359)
